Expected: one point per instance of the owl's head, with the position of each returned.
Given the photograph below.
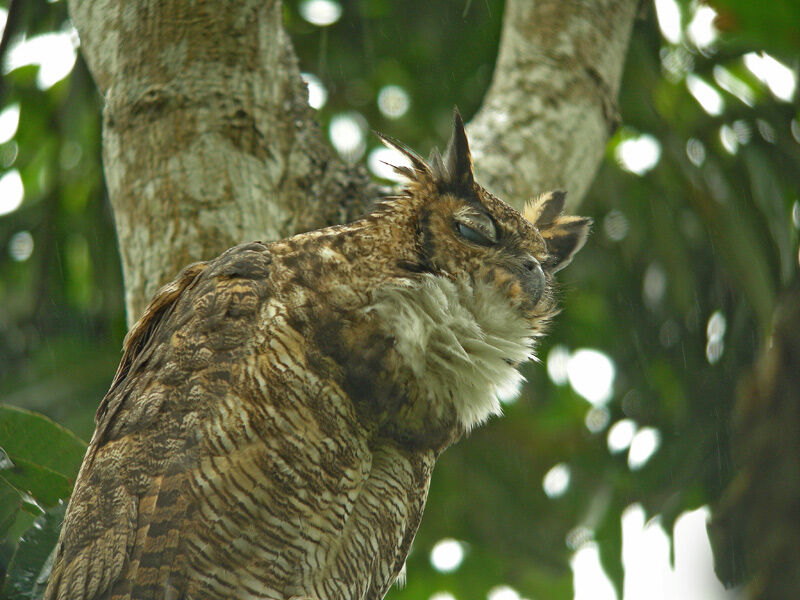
(466, 231)
(483, 287)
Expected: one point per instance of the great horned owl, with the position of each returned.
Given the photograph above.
(272, 427)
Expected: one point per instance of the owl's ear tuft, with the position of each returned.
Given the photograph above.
(419, 167)
(457, 159)
(437, 165)
(543, 210)
(455, 167)
(564, 236)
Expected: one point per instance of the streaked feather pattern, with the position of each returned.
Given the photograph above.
(278, 410)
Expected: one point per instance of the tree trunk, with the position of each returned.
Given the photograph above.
(208, 139)
(553, 99)
(759, 510)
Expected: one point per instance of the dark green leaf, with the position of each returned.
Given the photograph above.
(37, 440)
(46, 487)
(10, 505)
(609, 545)
(30, 566)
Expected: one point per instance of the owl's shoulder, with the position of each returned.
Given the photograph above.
(198, 323)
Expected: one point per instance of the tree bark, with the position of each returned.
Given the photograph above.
(208, 139)
(553, 99)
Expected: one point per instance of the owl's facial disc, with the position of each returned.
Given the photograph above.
(465, 237)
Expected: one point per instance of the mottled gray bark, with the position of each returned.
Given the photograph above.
(552, 102)
(208, 139)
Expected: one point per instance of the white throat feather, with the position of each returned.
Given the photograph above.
(460, 342)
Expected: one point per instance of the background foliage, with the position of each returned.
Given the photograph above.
(709, 227)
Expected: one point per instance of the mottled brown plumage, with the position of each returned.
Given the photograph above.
(274, 421)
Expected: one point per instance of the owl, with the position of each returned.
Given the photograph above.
(272, 427)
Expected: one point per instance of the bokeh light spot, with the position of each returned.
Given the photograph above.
(654, 285)
(620, 435)
(591, 374)
(578, 536)
(557, 361)
(676, 62)
(733, 85)
(556, 480)
(597, 419)
(393, 101)
(643, 446)
(714, 351)
(669, 20)
(742, 130)
(715, 334)
(701, 30)
(707, 97)
(346, 132)
(779, 78)
(615, 225)
(20, 246)
(716, 325)
(696, 151)
(638, 154)
(54, 53)
(766, 131)
(8, 154)
(11, 192)
(589, 579)
(9, 120)
(727, 138)
(503, 592)
(645, 556)
(321, 12)
(447, 555)
(317, 94)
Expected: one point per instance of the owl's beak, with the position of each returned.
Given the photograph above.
(533, 280)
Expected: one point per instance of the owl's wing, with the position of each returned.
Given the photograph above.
(124, 523)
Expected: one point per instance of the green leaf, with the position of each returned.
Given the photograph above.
(38, 464)
(769, 199)
(10, 505)
(30, 566)
(35, 439)
(609, 546)
(44, 485)
(774, 29)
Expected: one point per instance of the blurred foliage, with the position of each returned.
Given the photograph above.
(39, 461)
(708, 230)
(760, 505)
